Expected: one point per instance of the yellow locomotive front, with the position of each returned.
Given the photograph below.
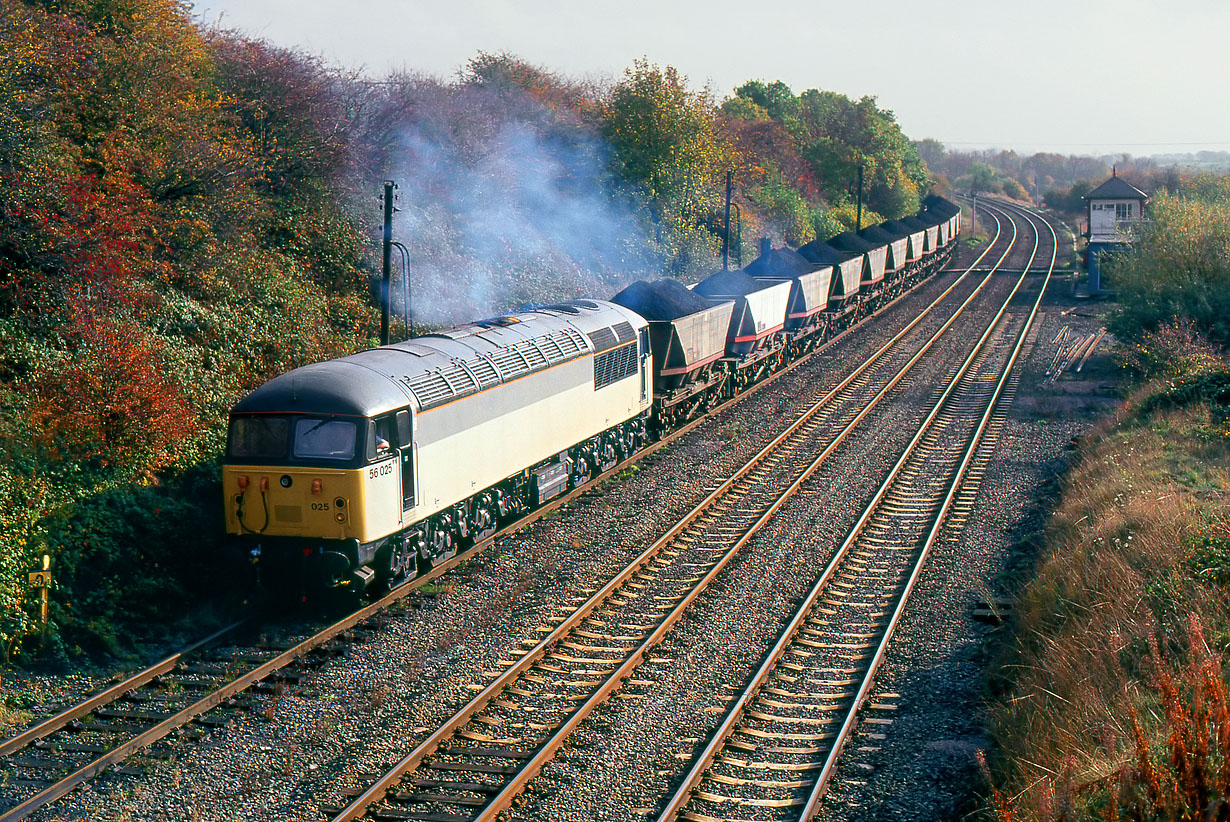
(271, 497)
(312, 480)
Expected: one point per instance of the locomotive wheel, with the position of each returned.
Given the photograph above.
(580, 475)
(485, 523)
(393, 564)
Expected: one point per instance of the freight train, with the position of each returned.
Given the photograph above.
(362, 471)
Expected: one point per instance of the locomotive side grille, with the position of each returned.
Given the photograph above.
(551, 348)
(460, 379)
(430, 389)
(533, 355)
(484, 372)
(570, 342)
(603, 339)
(613, 366)
(624, 332)
(510, 363)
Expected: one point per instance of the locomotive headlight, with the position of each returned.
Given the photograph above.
(340, 502)
(339, 516)
(286, 481)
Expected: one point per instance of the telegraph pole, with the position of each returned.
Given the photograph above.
(389, 188)
(726, 236)
(858, 219)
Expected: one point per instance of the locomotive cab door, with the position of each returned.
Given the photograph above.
(405, 447)
(646, 362)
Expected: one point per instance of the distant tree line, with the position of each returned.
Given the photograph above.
(1057, 181)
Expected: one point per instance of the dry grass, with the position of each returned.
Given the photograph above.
(1096, 712)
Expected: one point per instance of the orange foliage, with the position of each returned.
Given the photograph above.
(109, 401)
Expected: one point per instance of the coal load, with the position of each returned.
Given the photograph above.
(849, 241)
(661, 300)
(728, 283)
(878, 235)
(785, 263)
(915, 224)
(821, 253)
(939, 206)
(900, 225)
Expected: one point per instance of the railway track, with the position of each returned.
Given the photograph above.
(476, 763)
(776, 749)
(181, 696)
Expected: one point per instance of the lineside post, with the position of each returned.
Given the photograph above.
(385, 302)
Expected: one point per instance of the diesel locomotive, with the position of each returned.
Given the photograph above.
(362, 471)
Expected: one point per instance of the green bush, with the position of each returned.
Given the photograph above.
(1179, 267)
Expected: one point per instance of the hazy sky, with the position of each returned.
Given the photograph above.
(1071, 76)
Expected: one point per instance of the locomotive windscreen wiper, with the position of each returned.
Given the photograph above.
(317, 425)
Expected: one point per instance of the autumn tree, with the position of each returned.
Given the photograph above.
(981, 179)
(169, 236)
(667, 141)
(837, 135)
(504, 72)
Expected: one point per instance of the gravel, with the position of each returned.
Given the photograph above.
(289, 755)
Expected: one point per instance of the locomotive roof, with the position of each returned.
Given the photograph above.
(431, 370)
(781, 262)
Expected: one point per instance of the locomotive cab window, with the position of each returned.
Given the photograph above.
(258, 438)
(382, 439)
(327, 439)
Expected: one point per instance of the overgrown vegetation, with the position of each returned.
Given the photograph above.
(1113, 701)
(185, 213)
(1180, 267)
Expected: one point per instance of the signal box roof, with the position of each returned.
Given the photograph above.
(1116, 188)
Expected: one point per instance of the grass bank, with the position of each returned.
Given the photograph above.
(1110, 701)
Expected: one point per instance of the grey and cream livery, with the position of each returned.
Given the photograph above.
(358, 469)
